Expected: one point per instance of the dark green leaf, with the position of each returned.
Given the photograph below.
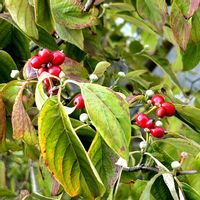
(146, 194)
(109, 113)
(63, 152)
(190, 193)
(135, 47)
(6, 66)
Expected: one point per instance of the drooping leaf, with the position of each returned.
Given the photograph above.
(104, 160)
(109, 113)
(3, 175)
(188, 7)
(146, 194)
(190, 193)
(6, 66)
(153, 11)
(22, 14)
(21, 123)
(166, 67)
(9, 93)
(2, 119)
(195, 35)
(72, 36)
(63, 152)
(181, 26)
(43, 14)
(189, 115)
(6, 32)
(70, 14)
(101, 67)
(73, 69)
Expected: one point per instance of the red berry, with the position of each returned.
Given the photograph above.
(45, 55)
(150, 124)
(161, 112)
(54, 70)
(157, 132)
(141, 120)
(157, 99)
(58, 58)
(169, 108)
(79, 101)
(41, 70)
(36, 62)
(47, 83)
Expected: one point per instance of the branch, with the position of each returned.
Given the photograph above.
(88, 5)
(140, 167)
(147, 168)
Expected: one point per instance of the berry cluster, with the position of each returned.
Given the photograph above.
(165, 109)
(47, 61)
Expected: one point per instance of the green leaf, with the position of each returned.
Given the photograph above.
(2, 175)
(195, 35)
(69, 13)
(72, 36)
(189, 115)
(146, 194)
(2, 119)
(63, 152)
(166, 67)
(155, 11)
(22, 14)
(109, 113)
(132, 75)
(190, 193)
(9, 92)
(21, 123)
(6, 33)
(6, 193)
(104, 160)
(101, 67)
(181, 26)
(73, 69)
(135, 47)
(187, 7)
(43, 14)
(6, 66)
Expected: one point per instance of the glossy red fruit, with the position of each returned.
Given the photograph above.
(157, 99)
(169, 107)
(45, 55)
(36, 62)
(47, 83)
(157, 132)
(41, 70)
(141, 120)
(54, 70)
(79, 101)
(58, 58)
(150, 124)
(161, 112)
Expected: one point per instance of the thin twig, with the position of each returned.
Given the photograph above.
(88, 5)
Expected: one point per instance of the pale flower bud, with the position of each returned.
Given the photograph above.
(93, 77)
(143, 145)
(83, 117)
(149, 93)
(175, 165)
(14, 73)
(121, 74)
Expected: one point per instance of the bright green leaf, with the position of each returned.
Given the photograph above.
(101, 67)
(190, 193)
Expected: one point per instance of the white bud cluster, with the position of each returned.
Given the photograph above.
(121, 74)
(93, 77)
(175, 164)
(83, 117)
